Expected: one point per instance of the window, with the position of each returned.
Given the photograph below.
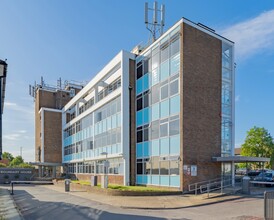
(155, 166)
(174, 87)
(139, 136)
(164, 92)
(155, 130)
(164, 130)
(164, 167)
(155, 94)
(174, 127)
(139, 104)
(139, 166)
(174, 47)
(139, 71)
(146, 99)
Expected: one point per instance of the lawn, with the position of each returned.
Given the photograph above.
(126, 188)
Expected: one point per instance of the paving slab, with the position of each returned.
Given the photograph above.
(8, 209)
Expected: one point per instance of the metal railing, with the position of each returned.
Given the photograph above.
(268, 205)
(210, 185)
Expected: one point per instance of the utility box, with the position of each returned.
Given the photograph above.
(246, 185)
(104, 181)
(93, 180)
(67, 185)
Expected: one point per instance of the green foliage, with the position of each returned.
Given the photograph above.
(16, 161)
(24, 165)
(7, 155)
(259, 143)
(3, 165)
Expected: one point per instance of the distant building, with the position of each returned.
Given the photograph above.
(158, 116)
(49, 100)
(3, 75)
(237, 151)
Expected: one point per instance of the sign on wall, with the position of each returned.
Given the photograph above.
(193, 170)
(190, 170)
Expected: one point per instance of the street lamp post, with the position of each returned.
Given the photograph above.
(104, 179)
(3, 72)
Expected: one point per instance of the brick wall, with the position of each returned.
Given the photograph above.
(112, 179)
(200, 104)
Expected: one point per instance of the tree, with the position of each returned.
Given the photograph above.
(259, 143)
(2, 165)
(7, 155)
(16, 161)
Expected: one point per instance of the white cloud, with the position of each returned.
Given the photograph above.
(19, 108)
(237, 98)
(252, 36)
(12, 137)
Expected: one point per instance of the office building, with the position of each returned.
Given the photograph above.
(158, 114)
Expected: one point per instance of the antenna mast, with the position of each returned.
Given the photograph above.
(155, 27)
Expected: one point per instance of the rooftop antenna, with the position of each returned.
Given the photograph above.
(155, 27)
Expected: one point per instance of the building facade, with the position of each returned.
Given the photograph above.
(96, 123)
(49, 100)
(157, 116)
(3, 75)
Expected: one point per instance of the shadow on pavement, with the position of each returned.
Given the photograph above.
(32, 208)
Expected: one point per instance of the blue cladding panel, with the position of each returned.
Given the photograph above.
(146, 149)
(139, 118)
(139, 150)
(145, 82)
(155, 179)
(139, 179)
(146, 116)
(139, 85)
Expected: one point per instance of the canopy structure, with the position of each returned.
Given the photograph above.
(240, 159)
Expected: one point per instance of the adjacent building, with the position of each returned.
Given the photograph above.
(3, 75)
(157, 115)
(49, 101)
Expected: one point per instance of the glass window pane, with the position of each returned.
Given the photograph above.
(155, 112)
(139, 71)
(139, 136)
(139, 168)
(174, 47)
(175, 105)
(155, 94)
(146, 100)
(175, 145)
(174, 64)
(163, 130)
(145, 66)
(174, 127)
(139, 104)
(164, 92)
(155, 129)
(164, 70)
(174, 87)
(164, 167)
(164, 108)
(155, 76)
(145, 134)
(164, 146)
(174, 168)
(155, 165)
(145, 82)
(164, 52)
(155, 148)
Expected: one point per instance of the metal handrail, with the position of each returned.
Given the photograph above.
(219, 183)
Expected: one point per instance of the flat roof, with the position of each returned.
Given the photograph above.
(45, 164)
(240, 159)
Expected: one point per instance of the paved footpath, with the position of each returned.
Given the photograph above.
(51, 202)
(7, 207)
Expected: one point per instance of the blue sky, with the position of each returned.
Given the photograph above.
(75, 39)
